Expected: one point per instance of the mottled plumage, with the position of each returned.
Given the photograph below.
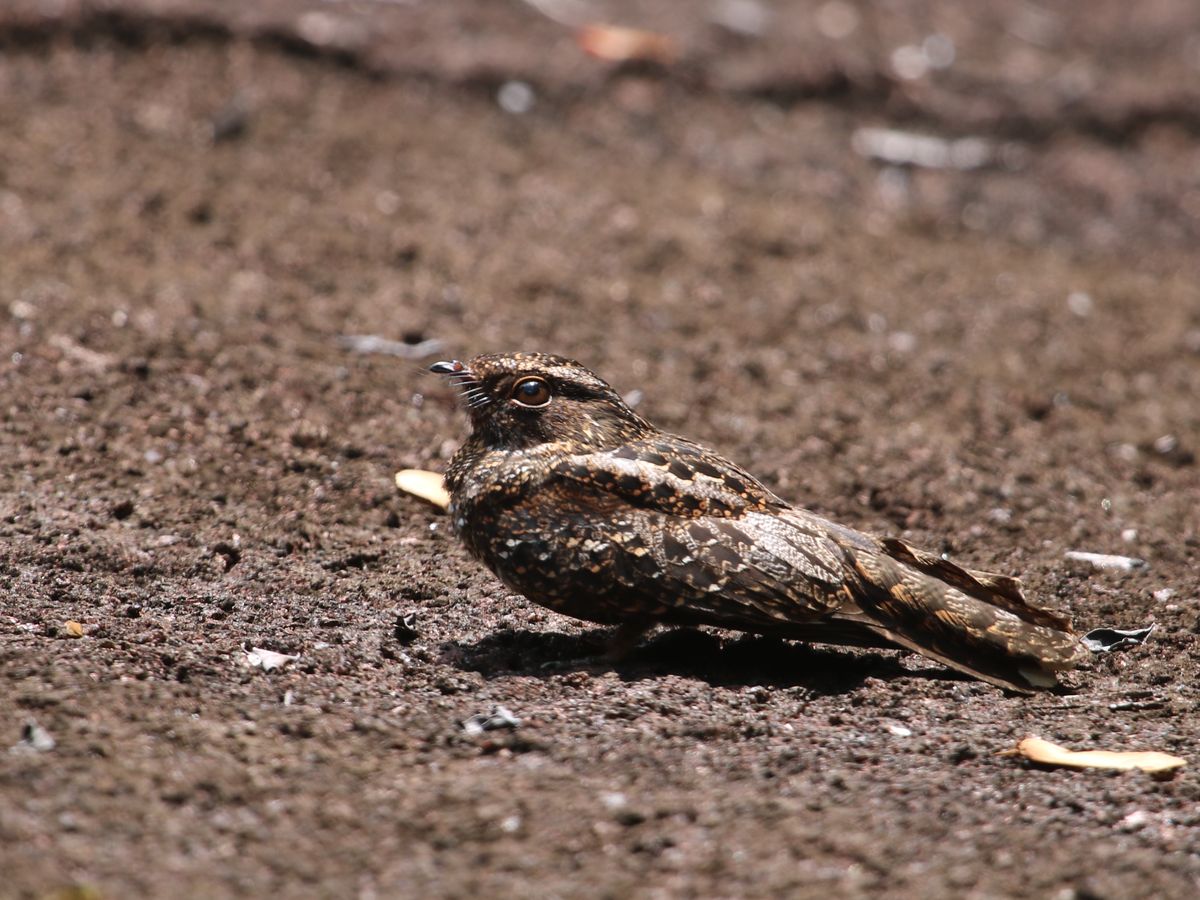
(581, 505)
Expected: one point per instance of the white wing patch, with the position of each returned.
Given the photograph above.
(801, 553)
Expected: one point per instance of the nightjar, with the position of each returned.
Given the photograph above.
(581, 505)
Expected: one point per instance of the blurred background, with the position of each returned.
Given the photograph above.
(929, 268)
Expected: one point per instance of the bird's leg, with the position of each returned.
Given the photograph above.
(619, 644)
(625, 638)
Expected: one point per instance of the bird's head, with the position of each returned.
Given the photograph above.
(521, 400)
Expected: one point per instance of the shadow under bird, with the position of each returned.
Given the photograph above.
(581, 505)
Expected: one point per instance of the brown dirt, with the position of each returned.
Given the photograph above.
(191, 463)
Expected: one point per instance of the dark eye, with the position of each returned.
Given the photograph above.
(531, 392)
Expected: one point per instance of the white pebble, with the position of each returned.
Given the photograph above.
(613, 800)
(1080, 304)
(516, 97)
(837, 19)
(909, 62)
(1136, 820)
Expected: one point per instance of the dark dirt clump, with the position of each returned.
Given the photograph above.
(1002, 364)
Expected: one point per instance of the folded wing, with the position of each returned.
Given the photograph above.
(711, 545)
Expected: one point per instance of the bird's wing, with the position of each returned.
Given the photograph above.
(709, 536)
(728, 552)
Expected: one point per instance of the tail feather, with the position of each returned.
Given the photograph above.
(974, 622)
(996, 590)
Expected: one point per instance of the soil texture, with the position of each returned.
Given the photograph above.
(995, 356)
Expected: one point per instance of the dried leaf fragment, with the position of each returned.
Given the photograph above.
(903, 148)
(615, 43)
(1106, 560)
(1106, 640)
(429, 486)
(500, 717)
(1152, 762)
(74, 629)
(373, 343)
(267, 660)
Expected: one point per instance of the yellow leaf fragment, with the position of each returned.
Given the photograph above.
(426, 485)
(617, 44)
(74, 629)
(1153, 762)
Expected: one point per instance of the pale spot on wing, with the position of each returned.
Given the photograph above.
(776, 541)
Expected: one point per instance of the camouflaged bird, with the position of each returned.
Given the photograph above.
(581, 505)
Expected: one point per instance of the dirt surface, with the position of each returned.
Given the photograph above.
(1002, 364)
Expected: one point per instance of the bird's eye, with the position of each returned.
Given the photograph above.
(531, 392)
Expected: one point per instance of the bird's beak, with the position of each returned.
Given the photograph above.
(463, 379)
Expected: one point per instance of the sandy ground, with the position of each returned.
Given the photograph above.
(1003, 363)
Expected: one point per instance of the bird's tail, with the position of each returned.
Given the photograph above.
(975, 622)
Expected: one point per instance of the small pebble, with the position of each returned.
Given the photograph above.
(516, 97)
(745, 17)
(1080, 304)
(511, 824)
(1168, 443)
(613, 800)
(35, 739)
(500, 717)
(1135, 821)
(267, 660)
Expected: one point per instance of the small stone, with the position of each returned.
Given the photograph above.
(629, 817)
(267, 660)
(939, 51)
(516, 97)
(404, 631)
(1166, 444)
(745, 17)
(1135, 821)
(500, 717)
(963, 753)
(613, 800)
(837, 19)
(35, 739)
(909, 62)
(1080, 304)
